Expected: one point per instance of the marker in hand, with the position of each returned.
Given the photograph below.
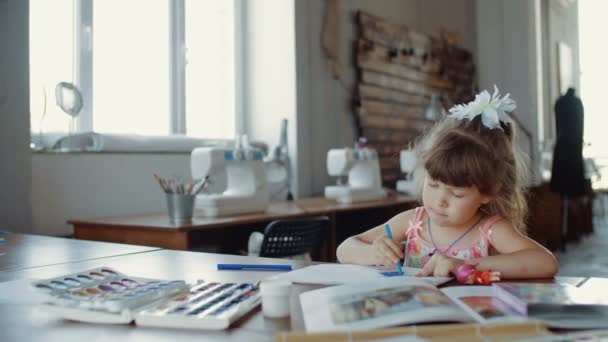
(389, 234)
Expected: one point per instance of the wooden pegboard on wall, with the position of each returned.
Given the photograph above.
(398, 70)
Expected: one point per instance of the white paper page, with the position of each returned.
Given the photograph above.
(371, 305)
(337, 274)
(480, 303)
(21, 292)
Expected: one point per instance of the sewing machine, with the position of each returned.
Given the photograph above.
(361, 167)
(246, 186)
(407, 159)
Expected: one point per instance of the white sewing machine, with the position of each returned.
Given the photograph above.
(246, 186)
(407, 159)
(363, 171)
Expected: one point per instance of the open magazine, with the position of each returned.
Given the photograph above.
(560, 305)
(391, 302)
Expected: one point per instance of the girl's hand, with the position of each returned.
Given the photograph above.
(440, 266)
(387, 251)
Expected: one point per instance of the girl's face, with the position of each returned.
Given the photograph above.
(450, 205)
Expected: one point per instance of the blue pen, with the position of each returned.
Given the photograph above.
(253, 267)
(389, 235)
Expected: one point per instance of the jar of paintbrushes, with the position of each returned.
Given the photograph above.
(180, 197)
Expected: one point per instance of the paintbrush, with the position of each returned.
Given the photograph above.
(200, 185)
(162, 183)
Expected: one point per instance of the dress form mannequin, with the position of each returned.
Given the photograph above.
(568, 173)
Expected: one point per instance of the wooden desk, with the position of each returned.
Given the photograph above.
(20, 251)
(157, 230)
(21, 322)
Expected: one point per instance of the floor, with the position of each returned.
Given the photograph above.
(589, 257)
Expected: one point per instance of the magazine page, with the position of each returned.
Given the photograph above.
(586, 336)
(559, 305)
(481, 304)
(382, 303)
(572, 317)
(520, 295)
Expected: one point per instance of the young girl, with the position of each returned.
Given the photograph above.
(474, 206)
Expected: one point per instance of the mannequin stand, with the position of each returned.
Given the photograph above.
(564, 226)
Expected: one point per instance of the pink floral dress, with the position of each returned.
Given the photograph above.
(418, 250)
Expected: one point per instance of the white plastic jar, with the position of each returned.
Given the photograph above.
(275, 298)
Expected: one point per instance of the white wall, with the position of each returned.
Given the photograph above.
(505, 46)
(80, 186)
(506, 57)
(325, 113)
(270, 78)
(15, 163)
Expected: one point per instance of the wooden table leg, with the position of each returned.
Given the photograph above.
(331, 239)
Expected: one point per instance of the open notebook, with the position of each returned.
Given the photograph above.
(338, 274)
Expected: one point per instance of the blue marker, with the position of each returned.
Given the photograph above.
(389, 235)
(254, 267)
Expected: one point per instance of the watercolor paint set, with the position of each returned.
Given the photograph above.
(104, 295)
(210, 305)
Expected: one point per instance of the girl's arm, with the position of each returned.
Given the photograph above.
(373, 247)
(520, 256)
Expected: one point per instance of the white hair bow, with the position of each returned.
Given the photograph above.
(493, 109)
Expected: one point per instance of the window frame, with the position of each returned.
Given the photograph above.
(177, 111)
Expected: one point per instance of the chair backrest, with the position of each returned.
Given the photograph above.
(285, 238)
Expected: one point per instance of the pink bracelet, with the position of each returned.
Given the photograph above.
(464, 271)
(468, 274)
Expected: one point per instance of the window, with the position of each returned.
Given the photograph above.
(131, 66)
(210, 40)
(152, 67)
(51, 61)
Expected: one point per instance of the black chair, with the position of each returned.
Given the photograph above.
(286, 238)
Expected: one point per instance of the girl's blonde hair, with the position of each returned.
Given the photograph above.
(464, 153)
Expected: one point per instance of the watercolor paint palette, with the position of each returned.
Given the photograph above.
(209, 305)
(104, 295)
